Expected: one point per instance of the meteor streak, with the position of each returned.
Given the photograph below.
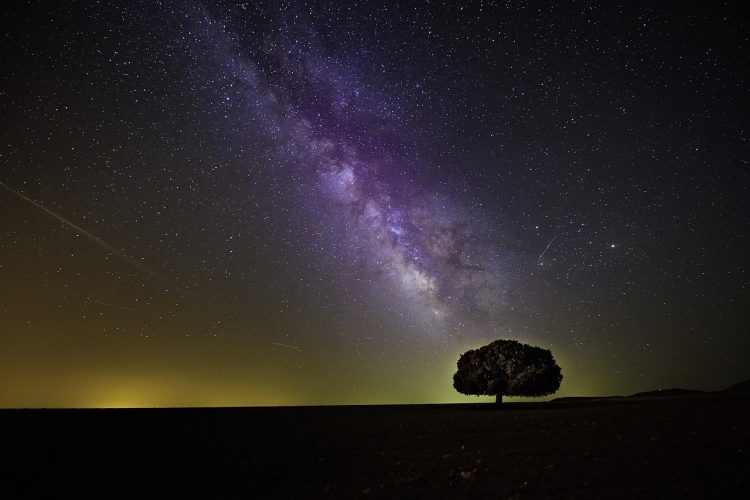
(539, 260)
(287, 346)
(112, 305)
(81, 231)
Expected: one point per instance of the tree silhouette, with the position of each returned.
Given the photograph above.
(507, 367)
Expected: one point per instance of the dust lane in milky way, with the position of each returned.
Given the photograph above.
(430, 254)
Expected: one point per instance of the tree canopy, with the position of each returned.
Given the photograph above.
(507, 367)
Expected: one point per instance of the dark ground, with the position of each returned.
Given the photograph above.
(687, 446)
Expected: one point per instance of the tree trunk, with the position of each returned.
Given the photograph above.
(498, 399)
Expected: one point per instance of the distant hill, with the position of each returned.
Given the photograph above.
(743, 386)
(574, 399)
(645, 394)
(666, 393)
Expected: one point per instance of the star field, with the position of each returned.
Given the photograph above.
(327, 202)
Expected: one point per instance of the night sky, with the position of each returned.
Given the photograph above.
(286, 203)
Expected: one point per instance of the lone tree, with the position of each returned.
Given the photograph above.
(507, 367)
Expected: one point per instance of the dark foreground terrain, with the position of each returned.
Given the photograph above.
(687, 446)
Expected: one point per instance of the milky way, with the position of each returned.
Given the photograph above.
(334, 133)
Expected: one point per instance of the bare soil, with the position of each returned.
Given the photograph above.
(686, 446)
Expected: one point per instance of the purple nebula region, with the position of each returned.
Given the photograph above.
(351, 149)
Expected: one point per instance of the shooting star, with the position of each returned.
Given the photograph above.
(257, 6)
(539, 260)
(287, 346)
(78, 229)
(112, 305)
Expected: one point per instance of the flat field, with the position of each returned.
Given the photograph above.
(681, 446)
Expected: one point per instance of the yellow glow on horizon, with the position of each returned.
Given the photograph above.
(424, 379)
(153, 392)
